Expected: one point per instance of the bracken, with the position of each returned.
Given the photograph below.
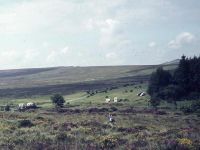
(185, 141)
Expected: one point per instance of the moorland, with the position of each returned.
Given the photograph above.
(83, 123)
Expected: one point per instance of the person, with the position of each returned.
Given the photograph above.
(111, 118)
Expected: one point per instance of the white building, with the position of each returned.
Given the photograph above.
(115, 99)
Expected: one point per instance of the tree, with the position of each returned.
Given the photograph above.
(58, 100)
(158, 80)
(182, 75)
(155, 101)
(194, 76)
(187, 77)
(7, 108)
(184, 83)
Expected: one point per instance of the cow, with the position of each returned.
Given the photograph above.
(21, 106)
(30, 105)
(107, 100)
(141, 94)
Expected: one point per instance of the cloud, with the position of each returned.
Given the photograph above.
(111, 55)
(65, 50)
(152, 44)
(13, 58)
(97, 31)
(58, 55)
(182, 39)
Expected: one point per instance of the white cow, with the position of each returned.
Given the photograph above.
(107, 100)
(142, 94)
(31, 105)
(21, 106)
(115, 99)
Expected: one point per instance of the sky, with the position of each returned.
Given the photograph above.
(46, 33)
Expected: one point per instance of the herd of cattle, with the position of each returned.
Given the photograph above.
(115, 100)
(29, 105)
(108, 100)
(32, 105)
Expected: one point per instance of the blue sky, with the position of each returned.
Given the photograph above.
(42, 33)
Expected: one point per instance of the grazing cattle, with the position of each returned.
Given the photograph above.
(115, 99)
(107, 100)
(21, 106)
(30, 105)
(141, 94)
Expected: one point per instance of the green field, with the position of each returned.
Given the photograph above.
(83, 123)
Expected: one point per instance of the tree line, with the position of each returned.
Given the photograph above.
(183, 83)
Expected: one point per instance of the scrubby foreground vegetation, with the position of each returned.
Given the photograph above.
(82, 123)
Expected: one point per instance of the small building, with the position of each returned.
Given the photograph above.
(107, 100)
(115, 100)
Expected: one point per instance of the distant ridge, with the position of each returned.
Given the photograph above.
(42, 81)
(173, 62)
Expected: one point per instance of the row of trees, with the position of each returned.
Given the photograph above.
(182, 83)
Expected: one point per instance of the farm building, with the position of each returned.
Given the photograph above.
(115, 99)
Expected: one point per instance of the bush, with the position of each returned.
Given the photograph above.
(155, 101)
(25, 123)
(194, 95)
(113, 109)
(7, 108)
(186, 109)
(193, 108)
(170, 93)
(158, 80)
(64, 137)
(58, 100)
(108, 142)
(61, 136)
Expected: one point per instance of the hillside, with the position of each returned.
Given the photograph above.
(26, 82)
(65, 75)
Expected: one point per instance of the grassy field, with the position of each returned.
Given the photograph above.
(83, 123)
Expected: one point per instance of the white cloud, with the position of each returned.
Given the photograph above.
(37, 16)
(152, 44)
(107, 32)
(34, 30)
(45, 44)
(58, 56)
(111, 55)
(23, 58)
(64, 50)
(181, 40)
(52, 56)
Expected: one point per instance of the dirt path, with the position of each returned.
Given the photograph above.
(75, 99)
